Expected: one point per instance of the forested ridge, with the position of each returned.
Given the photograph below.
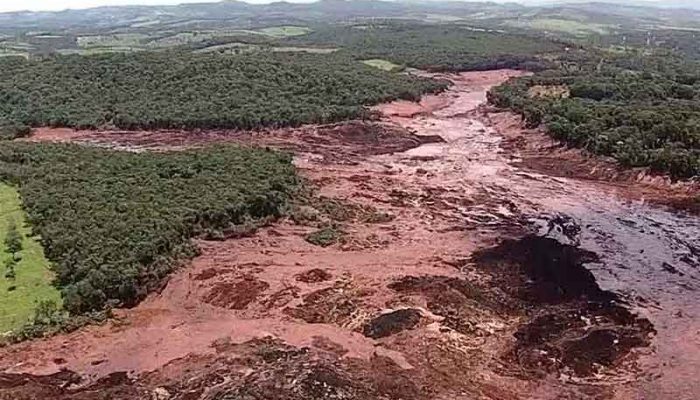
(114, 224)
(448, 47)
(643, 110)
(154, 90)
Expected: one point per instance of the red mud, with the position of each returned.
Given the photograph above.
(460, 274)
(532, 149)
(332, 143)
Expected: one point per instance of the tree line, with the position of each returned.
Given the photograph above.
(152, 90)
(432, 47)
(642, 109)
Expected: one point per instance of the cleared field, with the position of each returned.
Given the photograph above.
(116, 40)
(32, 281)
(313, 50)
(561, 25)
(99, 50)
(383, 64)
(285, 30)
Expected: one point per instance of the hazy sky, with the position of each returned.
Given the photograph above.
(55, 5)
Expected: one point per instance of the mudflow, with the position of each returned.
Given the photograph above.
(457, 256)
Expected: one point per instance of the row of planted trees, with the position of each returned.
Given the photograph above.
(13, 247)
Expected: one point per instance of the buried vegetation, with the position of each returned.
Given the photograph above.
(115, 223)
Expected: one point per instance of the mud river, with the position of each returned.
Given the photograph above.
(456, 270)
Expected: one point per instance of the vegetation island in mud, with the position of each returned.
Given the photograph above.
(350, 200)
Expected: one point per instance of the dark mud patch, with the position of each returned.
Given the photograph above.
(340, 304)
(206, 274)
(282, 297)
(63, 385)
(392, 323)
(581, 337)
(459, 302)
(572, 325)
(236, 295)
(542, 270)
(326, 344)
(315, 275)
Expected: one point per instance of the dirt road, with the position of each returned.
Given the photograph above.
(458, 270)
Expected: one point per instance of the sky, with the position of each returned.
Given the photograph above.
(56, 5)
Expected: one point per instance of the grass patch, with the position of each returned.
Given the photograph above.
(383, 65)
(32, 283)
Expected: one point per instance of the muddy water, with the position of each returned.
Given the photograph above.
(649, 256)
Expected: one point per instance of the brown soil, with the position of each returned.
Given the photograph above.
(466, 270)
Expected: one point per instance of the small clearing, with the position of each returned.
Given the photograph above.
(287, 30)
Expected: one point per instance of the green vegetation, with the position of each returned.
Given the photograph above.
(174, 90)
(447, 47)
(326, 236)
(49, 318)
(114, 40)
(115, 223)
(26, 279)
(560, 25)
(643, 110)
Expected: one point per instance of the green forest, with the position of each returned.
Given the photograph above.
(643, 110)
(437, 48)
(193, 91)
(114, 223)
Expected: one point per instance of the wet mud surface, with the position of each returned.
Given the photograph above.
(462, 267)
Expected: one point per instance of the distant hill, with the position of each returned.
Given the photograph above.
(238, 14)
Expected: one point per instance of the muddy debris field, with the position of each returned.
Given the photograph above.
(443, 256)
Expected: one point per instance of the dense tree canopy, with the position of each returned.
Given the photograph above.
(179, 90)
(644, 110)
(449, 47)
(114, 223)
